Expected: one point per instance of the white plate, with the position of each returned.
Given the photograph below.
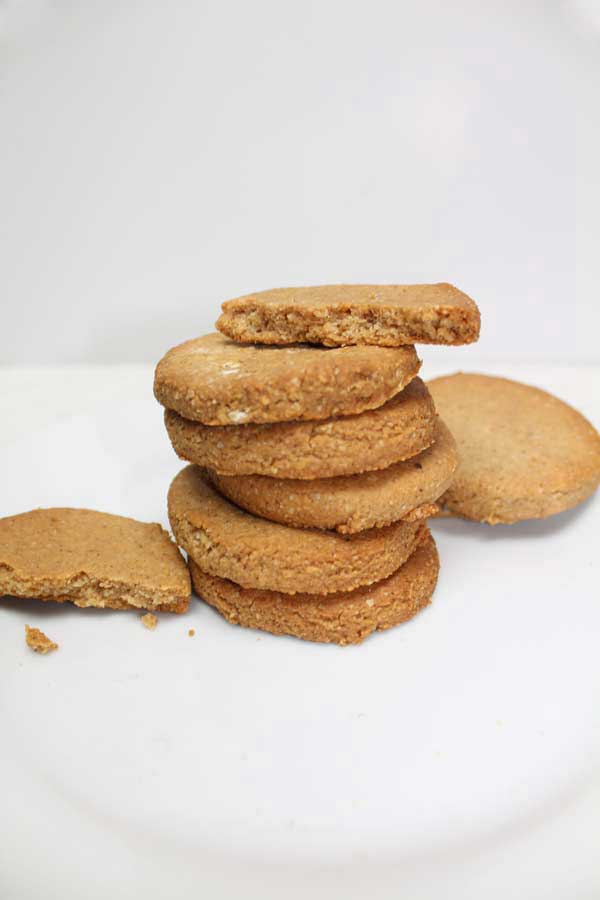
(455, 756)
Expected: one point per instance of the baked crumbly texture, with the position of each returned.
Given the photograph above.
(92, 559)
(227, 542)
(37, 641)
(149, 621)
(524, 453)
(218, 382)
(426, 511)
(343, 445)
(348, 503)
(340, 618)
(387, 315)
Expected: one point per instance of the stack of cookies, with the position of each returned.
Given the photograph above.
(316, 453)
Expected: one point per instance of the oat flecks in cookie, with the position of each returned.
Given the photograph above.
(387, 315)
(350, 503)
(341, 618)
(92, 559)
(38, 642)
(230, 543)
(343, 445)
(149, 621)
(524, 453)
(215, 381)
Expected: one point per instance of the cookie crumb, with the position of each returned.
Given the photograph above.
(149, 621)
(37, 640)
(191, 632)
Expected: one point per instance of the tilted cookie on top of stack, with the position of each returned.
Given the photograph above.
(316, 453)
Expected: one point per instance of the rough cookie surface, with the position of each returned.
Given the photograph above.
(218, 382)
(255, 553)
(386, 315)
(91, 559)
(524, 453)
(341, 618)
(343, 445)
(349, 503)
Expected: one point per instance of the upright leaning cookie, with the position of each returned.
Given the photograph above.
(215, 381)
(349, 503)
(341, 618)
(92, 559)
(524, 453)
(342, 445)
(227, 542)
(387, 315)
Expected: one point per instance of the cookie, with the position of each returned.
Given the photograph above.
(387, 315)
(348, 503)
(255, 553)
(218, 382)
(343, 445)
(340, 618)
(524, 453)
(92, 559)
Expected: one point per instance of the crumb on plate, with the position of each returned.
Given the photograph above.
(37, 640)
(150, 621)
(191, 632)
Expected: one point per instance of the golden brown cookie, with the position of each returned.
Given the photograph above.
(386, 315)
(92, 559)
(524, 453)
(348, 503)
(340, 618)
(343, 445)
(218, 382)
(255, 553)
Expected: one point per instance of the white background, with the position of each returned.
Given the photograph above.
(456, 757)
(157, 158)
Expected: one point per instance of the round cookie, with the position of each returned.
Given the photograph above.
(340, 618)
(524, 453)
(348, 503)
(255, 553)
(215, 381)
(343, 445)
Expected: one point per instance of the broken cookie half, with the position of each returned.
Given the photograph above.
(92, 558)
